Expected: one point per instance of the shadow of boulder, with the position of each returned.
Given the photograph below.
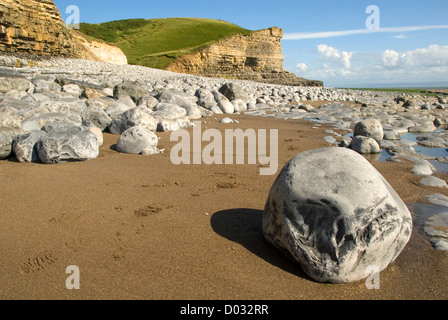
(244, 226)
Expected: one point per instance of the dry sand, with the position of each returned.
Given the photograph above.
(142, 228)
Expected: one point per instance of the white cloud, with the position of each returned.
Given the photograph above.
(390, 58)
(301, 67)
(421, 65)
(332, 34)
(341, 57)
(434, 56)
(401, 36)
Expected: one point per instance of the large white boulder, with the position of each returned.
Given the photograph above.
(333, 212)
(58, 147)
(136, 139)
(370, 128)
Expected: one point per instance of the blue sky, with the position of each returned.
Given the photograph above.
(324, 40)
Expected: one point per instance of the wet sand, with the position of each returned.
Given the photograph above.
(142, 228)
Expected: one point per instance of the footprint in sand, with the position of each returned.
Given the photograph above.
(37, 262)
(150, 210)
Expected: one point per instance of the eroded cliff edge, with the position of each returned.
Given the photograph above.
(36, 28)
(256, 56)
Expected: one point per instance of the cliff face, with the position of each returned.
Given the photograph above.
(35, 27)
(257, 56)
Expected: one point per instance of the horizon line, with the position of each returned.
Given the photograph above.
(332, 34)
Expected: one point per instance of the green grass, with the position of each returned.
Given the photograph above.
(156, 43)
(398, 90)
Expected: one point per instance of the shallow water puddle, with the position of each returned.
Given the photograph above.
(421, 212)
(439, 166)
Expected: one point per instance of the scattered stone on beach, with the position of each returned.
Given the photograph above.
(423, 168)
(438, 199)
(14, 82)
(330, 140)
(370, 128)
(437, 228)
(136, 139)
(97, 116)
(131, 89)
(365, 145)
(223, 103)
(431, 141)
(233, 91)
(24, 146)
(432, 181)
(332, 212)
(6, 139)
(131, 118)
(228, 120)
(58, 147)
(173, 125)
(88, 93)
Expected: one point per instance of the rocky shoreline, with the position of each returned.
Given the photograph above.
(55, 110)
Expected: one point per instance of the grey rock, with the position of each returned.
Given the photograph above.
(18, 104)
(239, 105)
(36, 122)
(98, 134)
(24, 146)
(97, 117)
(178, 111)
(60, 147)
(422, 169)
(136, 139)
(164, 115)
(424, 128)
(147, 101)
(223, 103)
(431, 141)
(173, 125)
(6, 139)
(10, 120)
(365, 145)
(391, 135)
(177, 97)
(370, 128)
(228, 120)
(205, 98)
(437, 227)
(151, 151)
(333, 213)
(117, 108)
(306, 107)
(438, 199)
(432, 181)
(233, 91)
(70, 105)
(62, 127)
(330, 140)
(42, 85)
(193, 112)
(131, 118)
(134, 90)
(440, 244)
(73, 89)
(14, 83)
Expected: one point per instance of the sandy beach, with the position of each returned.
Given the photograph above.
(140, 227)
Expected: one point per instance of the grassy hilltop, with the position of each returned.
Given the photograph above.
(156, 43)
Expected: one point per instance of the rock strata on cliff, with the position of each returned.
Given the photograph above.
(257, 57)
(35, 27)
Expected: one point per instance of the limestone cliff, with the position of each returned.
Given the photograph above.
(35, 27)
(256, 56)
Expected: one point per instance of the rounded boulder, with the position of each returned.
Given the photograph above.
(136, 139)
(332, 212)
(370, 128)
